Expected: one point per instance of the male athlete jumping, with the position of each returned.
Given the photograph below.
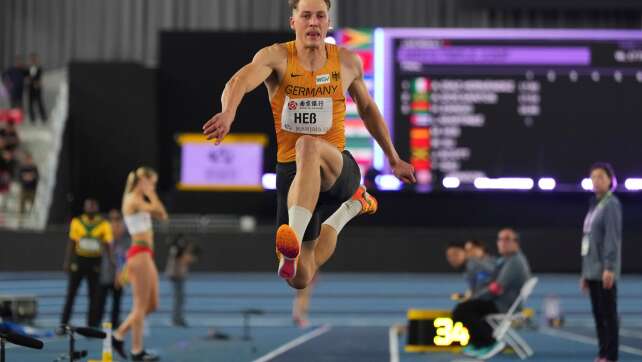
(307, 80)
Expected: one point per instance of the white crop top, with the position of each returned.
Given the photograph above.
(139, 222)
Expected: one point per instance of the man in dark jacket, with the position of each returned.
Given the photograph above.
(511, 273)
(14, 79)
(35, 89)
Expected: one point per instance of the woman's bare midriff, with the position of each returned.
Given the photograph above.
(146, 236)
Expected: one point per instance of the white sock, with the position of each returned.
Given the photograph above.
(299, 218)
(346, 212)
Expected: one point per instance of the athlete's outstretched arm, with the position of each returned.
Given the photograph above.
(245, 80)
(373, 120)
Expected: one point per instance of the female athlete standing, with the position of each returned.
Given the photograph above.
(140, 204)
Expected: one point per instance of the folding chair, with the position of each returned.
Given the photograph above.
(502, 323)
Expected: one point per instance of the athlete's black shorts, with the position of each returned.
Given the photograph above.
(343, 188)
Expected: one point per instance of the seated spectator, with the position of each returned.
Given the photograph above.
(477, 269)
(456, 256)
(477, 249)
(11, 138)
(28, 177)
(482, 262)
(511, 272)
(7, 166)
(8, 161)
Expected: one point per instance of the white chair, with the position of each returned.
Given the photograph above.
(502, 323)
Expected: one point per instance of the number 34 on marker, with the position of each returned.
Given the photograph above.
(448, 332)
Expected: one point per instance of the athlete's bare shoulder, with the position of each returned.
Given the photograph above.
(350, 61)
(273, 56)
(351, 67)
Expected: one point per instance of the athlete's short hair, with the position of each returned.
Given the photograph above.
(294, 4)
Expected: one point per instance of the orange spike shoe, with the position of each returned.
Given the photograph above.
(288, 248)
(368, 203)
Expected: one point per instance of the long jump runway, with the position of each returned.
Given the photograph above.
(351, 315)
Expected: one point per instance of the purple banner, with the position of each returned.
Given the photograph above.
(233, 164)
(496, 55)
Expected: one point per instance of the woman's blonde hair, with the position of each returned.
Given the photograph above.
(135, 176)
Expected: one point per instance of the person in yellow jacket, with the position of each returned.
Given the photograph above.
(90, 237)
(307, 80)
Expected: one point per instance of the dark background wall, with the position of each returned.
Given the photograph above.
(193, 69)
(111, 129)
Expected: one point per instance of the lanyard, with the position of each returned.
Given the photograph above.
(588, 220)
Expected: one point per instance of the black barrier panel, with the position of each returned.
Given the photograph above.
(360, 249)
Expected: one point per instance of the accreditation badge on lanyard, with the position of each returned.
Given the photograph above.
(585, 245)
(588, 223)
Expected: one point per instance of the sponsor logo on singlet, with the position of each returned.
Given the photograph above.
(323, 79)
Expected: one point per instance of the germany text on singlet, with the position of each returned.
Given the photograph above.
(309, 103)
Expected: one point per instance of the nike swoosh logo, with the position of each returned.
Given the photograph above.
(295, 75)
